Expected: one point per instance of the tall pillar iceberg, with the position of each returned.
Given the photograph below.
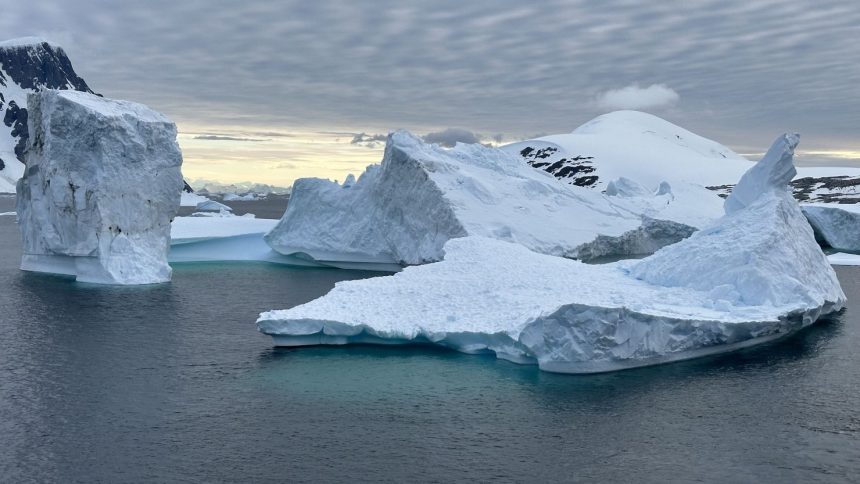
(102, 185)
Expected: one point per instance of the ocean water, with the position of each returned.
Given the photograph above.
(173, 383)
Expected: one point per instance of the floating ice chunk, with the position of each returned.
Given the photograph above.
(189, 199)
(836, 225)
(213, 206)
(843, 259)
(688, 300)
(102, 184)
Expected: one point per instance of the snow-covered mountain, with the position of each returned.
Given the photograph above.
(27, 65)
(649, 150)
(634, 145)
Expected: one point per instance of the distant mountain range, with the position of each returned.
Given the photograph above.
(212, 186)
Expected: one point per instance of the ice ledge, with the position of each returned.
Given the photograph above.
(88, 270)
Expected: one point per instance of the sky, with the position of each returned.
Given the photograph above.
(270, 91)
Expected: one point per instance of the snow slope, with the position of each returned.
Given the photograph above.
(405, 209)
(694, 298)
(635, 145)
(649, 150)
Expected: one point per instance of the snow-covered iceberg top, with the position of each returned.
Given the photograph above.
(404, 210)
(754, 275)
(101, 187)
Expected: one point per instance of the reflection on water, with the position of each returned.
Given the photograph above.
(172, 382)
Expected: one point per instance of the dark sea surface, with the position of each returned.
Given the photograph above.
(173, 383)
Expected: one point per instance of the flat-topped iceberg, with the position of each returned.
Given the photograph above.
(220, 237)
(101, 187)
(754, 275)
(404, 210)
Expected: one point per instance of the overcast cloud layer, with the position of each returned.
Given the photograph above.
(742, 71)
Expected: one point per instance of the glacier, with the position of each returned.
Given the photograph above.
(753, 275)
(404, 210)
(101, 187)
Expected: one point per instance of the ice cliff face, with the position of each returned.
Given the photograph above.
(27, 65)
(754, 275)
(404, 210)
(102, 185)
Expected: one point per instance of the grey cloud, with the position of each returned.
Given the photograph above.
(215, 137)
(756, 67)
(655, 96)
(451, 136)
(368, 140)
(273, 134)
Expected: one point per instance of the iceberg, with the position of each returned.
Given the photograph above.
(212, 206)
(403, 211)
(191, 199)
(224, 237)
(753, 275)
(101, 186)
(837, 225)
